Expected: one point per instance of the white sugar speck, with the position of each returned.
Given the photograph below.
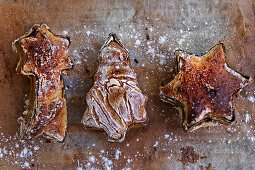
(36, 148)
(25, 153)
(156, 144)
(88, 33)
(137, 42)
(181, 41)
(166, 136)
(107, 163)
(79, 167)
(251, 99)
(117, 154)
(129, 160)
(25, 165)
(25, 112)
(126, 169)
(247, 118)
(161, 39)
(252, 138)
(27, 102)
(150, 51)
(162, 59)
(65, 32)
(92, 159)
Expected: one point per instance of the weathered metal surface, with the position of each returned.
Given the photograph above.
(152, 31)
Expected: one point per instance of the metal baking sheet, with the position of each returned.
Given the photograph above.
(151, 31)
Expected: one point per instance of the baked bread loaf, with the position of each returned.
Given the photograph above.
(43, 57)
(205, 88)
(115, 103)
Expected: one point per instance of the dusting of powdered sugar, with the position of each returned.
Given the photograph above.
(15, 152)
(152, 46)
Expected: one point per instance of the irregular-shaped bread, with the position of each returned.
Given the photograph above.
(115, 103)
(204, 89)
(43, 58)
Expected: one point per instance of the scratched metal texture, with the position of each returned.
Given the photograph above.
(151, 31)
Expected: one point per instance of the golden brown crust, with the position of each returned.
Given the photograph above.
(43, 57)
(205, 87)
(115, 102)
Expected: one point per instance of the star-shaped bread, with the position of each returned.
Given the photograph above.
(204, 89)
(43, 57)
(115, 103)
